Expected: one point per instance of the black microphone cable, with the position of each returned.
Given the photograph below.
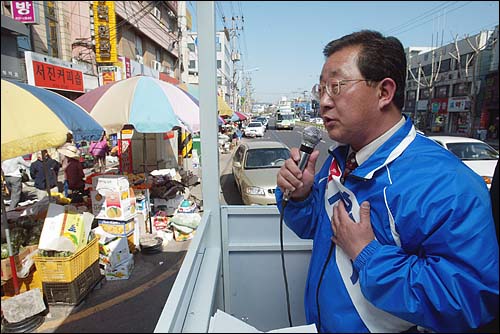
(284, 203)
(310, 138)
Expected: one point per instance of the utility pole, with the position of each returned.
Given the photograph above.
(181, 38)
(235, 56)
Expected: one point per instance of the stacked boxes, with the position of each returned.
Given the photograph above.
(114, 205)
(112, 198)
(120, 228)
(115, 259)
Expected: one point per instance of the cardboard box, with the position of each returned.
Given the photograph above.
(131, 243)
(123, 271)
(114, 253)
(112, 197)
(112, 182)
(65, 229)
(119, 228)
(115, 205)
(6, 269)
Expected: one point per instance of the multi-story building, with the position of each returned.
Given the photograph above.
(224, 68)
(453, 79)
(95, 41)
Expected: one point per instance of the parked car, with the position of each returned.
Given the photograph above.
(478, 155)
(263, 120)
(254, 129)
(255, 166)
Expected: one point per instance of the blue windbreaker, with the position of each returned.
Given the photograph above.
(434, 262)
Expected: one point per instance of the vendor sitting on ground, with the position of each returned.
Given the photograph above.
(74, 169)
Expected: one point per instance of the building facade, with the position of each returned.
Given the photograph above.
(224, 66)
(451, 89)
(140, 38)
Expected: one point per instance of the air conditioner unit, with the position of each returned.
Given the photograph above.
(139, 59)
(156, 65)
(157, 12)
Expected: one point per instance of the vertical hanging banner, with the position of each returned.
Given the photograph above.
(105, 31)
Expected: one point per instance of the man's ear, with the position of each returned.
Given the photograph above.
(386, 91)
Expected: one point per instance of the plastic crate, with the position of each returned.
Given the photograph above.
(74, 292)
(66, 269)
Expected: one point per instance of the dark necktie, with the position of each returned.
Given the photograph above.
(350, 165)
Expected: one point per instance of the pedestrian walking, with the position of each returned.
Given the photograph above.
(99, 150)
(12, 171)
(404, 238)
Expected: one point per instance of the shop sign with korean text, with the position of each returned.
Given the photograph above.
(459, 104)
(439, 105)
(105, 31)
(125, 66)
(109, 74)
(23, 11)
(48, 72)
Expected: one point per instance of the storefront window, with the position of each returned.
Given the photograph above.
(445, 66)
(442, 91)
(461, 89)
(411, 95)
(424, 94)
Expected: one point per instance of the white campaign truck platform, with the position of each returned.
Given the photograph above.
(233, 263)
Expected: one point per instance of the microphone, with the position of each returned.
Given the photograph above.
(310, 138)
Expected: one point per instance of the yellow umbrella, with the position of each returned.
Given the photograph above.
(35, 119)
(224, 108)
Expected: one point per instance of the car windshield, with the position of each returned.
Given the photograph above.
(266, 158)
(473, 151)
(254, 125)
(283, 117)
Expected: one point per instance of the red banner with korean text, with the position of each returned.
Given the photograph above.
(57, 77)
(125, 155)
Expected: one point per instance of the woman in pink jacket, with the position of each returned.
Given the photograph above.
(99, 150)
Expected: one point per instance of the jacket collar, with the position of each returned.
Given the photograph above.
(384, 155)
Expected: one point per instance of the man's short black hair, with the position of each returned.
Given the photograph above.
(380, 57)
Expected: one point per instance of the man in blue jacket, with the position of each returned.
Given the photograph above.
(38, 175)
(403, 230)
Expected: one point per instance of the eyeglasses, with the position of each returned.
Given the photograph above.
(332, 88)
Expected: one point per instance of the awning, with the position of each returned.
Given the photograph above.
(17, 28)
(223, 108)
(238, 116)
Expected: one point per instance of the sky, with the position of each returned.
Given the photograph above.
(284, 40)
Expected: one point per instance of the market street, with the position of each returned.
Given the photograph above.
(132, 305)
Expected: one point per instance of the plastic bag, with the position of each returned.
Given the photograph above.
(191, 220)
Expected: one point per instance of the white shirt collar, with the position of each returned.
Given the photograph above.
(363, 154)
